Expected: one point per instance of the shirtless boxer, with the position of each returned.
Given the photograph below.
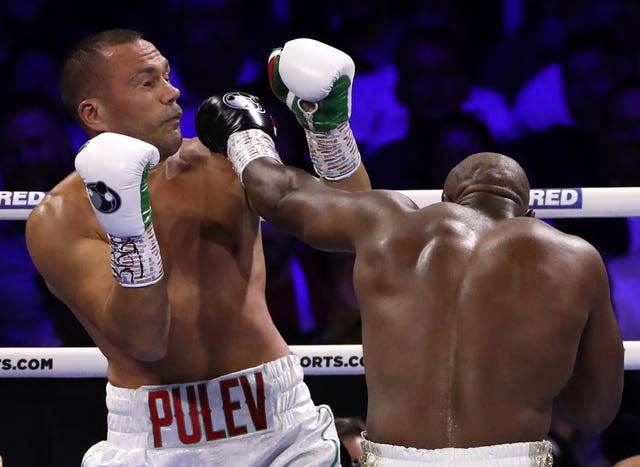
(197, 372)
(480, 323)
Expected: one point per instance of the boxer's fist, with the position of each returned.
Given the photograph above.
(308, 70)
(221, 115)
(114, 169)
(236, 125)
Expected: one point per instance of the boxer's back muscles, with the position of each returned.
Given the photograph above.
(479, 323)
(471, 328)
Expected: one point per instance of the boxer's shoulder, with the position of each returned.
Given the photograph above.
(534, 240)
(64, 202)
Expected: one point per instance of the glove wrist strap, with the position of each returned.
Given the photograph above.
(334, 153)
(136, 261)
(248, 145)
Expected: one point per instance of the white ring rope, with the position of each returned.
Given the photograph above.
(548, 202)
(88, 362)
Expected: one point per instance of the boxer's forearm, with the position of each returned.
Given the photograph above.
(77, 270)
(137, 320)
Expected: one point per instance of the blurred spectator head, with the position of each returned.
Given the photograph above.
(452, 139)
(590, 65)
(213, 39)
(365, 30)
(433, 79)
(545, 24)
(350, 433)
(23, 11)
(35, 71)
(589, 14)
(37, 152)
(622, 133)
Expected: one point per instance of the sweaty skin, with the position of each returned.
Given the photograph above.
(479, 324)
(207, 316)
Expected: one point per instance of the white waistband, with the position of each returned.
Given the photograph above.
(512, 454)
(257, 399)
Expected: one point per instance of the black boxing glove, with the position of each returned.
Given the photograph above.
(221, 115)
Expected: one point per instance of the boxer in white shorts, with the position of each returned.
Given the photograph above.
(153, 246)
(261, 416)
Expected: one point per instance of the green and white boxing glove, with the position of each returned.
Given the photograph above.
(114, 168)
(309, 70)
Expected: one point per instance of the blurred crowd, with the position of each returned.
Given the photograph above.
(554, 84)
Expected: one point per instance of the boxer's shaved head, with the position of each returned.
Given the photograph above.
(488, 172)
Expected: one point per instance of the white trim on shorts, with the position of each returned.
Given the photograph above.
(536, 454)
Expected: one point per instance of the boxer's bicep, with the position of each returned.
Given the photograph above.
(311, 209)
(75, 267)
(322, 217)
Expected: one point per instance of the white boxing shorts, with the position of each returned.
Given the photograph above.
(500, 455)
(261, 416)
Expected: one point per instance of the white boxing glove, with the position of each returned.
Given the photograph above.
(309, 70)
(114, 168)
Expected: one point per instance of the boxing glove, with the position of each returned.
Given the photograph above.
(309, 70)
(237, 125)
(114, 168)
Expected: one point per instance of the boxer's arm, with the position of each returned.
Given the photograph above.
(75, 263)
(592, 396)
(315, 81)
(325, 218)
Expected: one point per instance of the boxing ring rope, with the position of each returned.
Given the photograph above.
(548, 202)
(89, 362)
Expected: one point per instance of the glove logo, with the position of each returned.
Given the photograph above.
(103, 198)
(243, 101)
